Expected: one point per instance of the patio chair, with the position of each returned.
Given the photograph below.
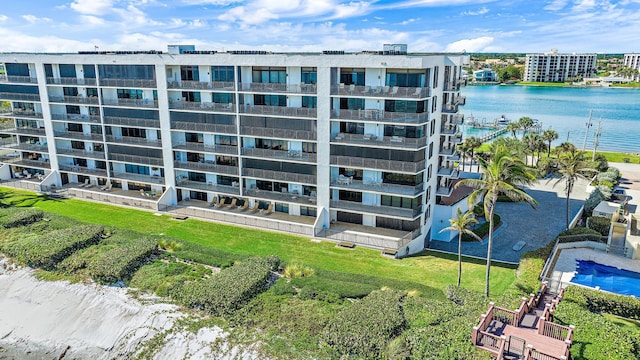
(394, 91)
(105, 186)
(366, 89)
(233, 202)
(418, 92)
(254, 208)
(244, 206)
(221, 202)
(86, 182)
(268, 210)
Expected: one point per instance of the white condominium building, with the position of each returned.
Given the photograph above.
(554, 67)
(356, 148)
(632, 61)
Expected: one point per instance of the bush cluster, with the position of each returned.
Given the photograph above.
(599, 224)
(22, 218)
(52, 247)
(119, 263)
(204, 255)
(229, 290)
(292, 271)
(367, 327)
(602, 302)
(164, 278)
(593, 200)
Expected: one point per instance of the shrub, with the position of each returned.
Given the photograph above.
(206, 255)
(599, 224)
(120, 262)
(165, 278)
(578, 230)
(22, 218)
(52, 247)
(601, 302)
(282, 287)
(607, 184)
(344, 289)
(169, 245)
(593, 200)
(229, 290)
(367, 327)
(606, 191)
(296, 270)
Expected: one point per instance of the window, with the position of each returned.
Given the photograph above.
(351, 104)
(270, 100)
(405, 106)
(308, 211)
(136, 169)
(189, 73)
(283, 208)
(277, 75)
(70, 91)
(222, 98)
(309, 75)
(222, 73)
(405, 78)
(350, 196)
(73, 109)
(352, 76)
(129, 93)
(436, 70)
(400, 202)
(191, 96)
(74, 127)
(79, 145)
(138, 72)
(67, 70)
(134, 132)
(309, 102)
(194, 138)
(199, 177)
(92, 92)
(310, 148)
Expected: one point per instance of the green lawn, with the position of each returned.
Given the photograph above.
(431, 269)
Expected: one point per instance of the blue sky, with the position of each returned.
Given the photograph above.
(311, 25)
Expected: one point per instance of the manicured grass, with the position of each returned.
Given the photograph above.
(430, 269)
(616, 157)
(632, 325)
(549, 84)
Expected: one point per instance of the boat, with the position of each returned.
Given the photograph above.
(502, 120)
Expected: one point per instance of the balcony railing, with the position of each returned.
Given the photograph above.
(460, 100)
(76, 118)
(444, 190)
(132, 122)
(457, 119)
(451, 86)
(139, 178)
(380, 91)
(376, 209)
(137, 159)
(449, 108)
(130, 140)
(81, 153)
(77, 135)
(386, 141)
(199, 147)
(19, 96)
(387, 165)
(93, 100)
(26, 114)
(36, 147)
(18, 79)
(448, 172)
(279, 88)
(133, 83)
(380, 116)
(203, 186)
(201, 85)
(198, 127)
(280, 175)
(202, 106)
(147, 103)
(281, 196)
(279, 154)
(17, 161)
(378, 186)
(23, 130)
(207, 167)
(278, 110)
(83, 170)
(449, 130)
(278, 133)
(71, 81)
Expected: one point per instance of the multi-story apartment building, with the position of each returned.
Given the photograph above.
(554, 67)
(350, 147)
(484, 75)
(632, 62)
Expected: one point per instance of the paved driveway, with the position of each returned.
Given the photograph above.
(537, 227)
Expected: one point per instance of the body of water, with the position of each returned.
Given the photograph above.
(608, 278)
(565, 110)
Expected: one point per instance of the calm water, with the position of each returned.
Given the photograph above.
(566, 110)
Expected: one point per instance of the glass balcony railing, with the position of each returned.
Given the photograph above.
(448, 171)
(128, 83)
(386, 141)
(137, 159)
(83, 170)
(280, 196)
(378, 164)
(32, 147)
(278, 133)
(17, 161)
(76, 118)
(201, 85)
(450, 108)
(202, 106)
(130, 140)
(76, 135)
(23, 130)
(92, 100)
(380, 116)
(81, 153)
(280, 176)
(206, 167)
(30, 114)
(376, 209)
(278, 110)
(18, 79)
(132, 122)
(71, 81)
(203, 127)
(208, 186)
(204, 148)
(19, 96)
(278, 88)
(378, 186)
(279, 154)
(380, 91)
(147, 103)
(139, 178)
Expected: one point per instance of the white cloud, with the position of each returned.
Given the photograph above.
(210, 2)
(34, 19)
(556, 5)
(483, 10)
(92, 7)
(3, 17)
(92, 20)
(470, 45)
(408, 21)
(583, 5)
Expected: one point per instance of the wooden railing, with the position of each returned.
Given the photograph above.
(490, 342)
(535, 354)
(506, 316)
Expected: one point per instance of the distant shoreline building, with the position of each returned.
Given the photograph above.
(351, 147)
(485, 75)
(632, 61)
(554, 67)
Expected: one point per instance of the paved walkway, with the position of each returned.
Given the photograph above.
(520, 222)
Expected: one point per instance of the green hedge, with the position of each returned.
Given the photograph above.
(600, 224)
(483, 230)
(230, 289)
(21, 218)
(366, 327)
(206, 255)
(164, 278)
(602, 302)
(50, 248)
(120, 262)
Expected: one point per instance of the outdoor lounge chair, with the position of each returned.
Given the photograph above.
(85, 184)
(268, 210)
(244, 205)
(221, 202)
(254, 208)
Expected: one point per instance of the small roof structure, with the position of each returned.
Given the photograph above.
(606, 209)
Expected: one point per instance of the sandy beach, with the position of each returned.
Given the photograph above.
(59, 320)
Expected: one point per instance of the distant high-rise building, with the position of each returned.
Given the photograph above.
(554, 67)
(632, 62)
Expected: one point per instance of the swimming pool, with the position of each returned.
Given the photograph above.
(608, 278)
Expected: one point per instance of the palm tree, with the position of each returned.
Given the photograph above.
(513, 127)
(532, 142)
(566, 147)
(501, 173)
(525, 123)
(461, 224)
(464, 150)
(549, 136)
(473, 143)
(572, 167)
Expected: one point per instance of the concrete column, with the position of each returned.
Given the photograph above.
(323, 178)
(48, 125)
(165, 131)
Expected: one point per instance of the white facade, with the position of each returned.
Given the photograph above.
(554, 67)
(362, 139)
(632, 61)
(483, 75)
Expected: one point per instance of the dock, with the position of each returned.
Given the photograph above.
(492, 135)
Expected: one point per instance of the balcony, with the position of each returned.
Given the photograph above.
(448, 171)
(452, 86)
(378, 164)
(279, 154)
(79, 99)
(17, 161)
(448, 130)
(449, 108)
(71, 81)
(278, 133)
(128, 83)
(450, 153)
(377, 141)
(11, 143)
(131, 122)
(201, 106)
(203, 127)
(76, 135)
(205, 166)
(137, 159)
(18, 79)
(280, 176)
(460, 100)
(10, 129)
(139, 178)
(279, 88)
(444, 190)
(81, 153)
(378, 186)
(456, 119)
(29, 114)
(147, 103)
(375, 209)
(380, 91)
(76, 118)
(380, 116)
(281, 196)
(209, 187)
(201, 85)
(203, 148)
(18, 96)
(83, 170)
(130, 140)
(278, 111)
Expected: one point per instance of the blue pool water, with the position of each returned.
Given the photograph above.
(608, 278)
